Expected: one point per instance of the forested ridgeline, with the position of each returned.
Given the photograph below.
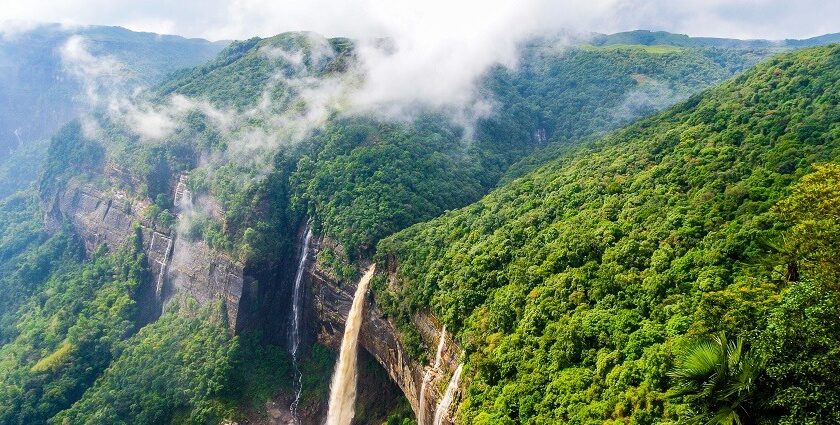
(360, 177)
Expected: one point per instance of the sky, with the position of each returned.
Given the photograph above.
(442, 19)
(441, 47)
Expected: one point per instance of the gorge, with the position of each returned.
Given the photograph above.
(272, 260)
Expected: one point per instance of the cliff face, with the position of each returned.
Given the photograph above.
(328, 304)
(178, 265)
(181, 266)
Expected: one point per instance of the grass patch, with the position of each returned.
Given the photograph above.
(54, 360)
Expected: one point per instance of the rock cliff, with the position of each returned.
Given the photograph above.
(179, 266)
(328, 304)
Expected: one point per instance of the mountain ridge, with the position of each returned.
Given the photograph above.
(36, 86)
(596, 265)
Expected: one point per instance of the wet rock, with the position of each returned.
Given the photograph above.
(178, 266)
(329, 302)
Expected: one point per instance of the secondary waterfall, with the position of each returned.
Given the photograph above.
(294, 331)
(343, 387)
(421, 417)
(448, 396)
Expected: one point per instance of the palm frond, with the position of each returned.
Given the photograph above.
(725, 416)
(715, 377)
(700, 361)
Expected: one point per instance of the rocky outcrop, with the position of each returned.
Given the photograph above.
(181, 266)
(329, 302)
(177, 265)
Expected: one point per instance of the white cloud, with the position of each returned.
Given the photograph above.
(441, 46)
(107, 88)
(438, 50)
(96, 73)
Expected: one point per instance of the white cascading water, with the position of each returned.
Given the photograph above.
(163, 265)
(343, 387)
(428, 376)
(294, 334)
(448, 397)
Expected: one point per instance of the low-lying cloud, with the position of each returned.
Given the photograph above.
(440, 47)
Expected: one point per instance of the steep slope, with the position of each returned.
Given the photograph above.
(367, 179)
(243, 150)
(99, 190)
(570, 288)
(236, 145)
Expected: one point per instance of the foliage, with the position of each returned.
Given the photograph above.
(717, 378)
(361, 178)
(174, 368)
(70, 154)
(802, 337)
(813, 211)
(28, 256)
(260, 371)
(656, 38)
(570, 287)
(368, 179)
(238, 76)
(316, 371)
(20, 169)
(68, 331)
(401, 415)
(801, 343)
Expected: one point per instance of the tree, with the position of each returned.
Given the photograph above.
(813, 214)
(717, 378)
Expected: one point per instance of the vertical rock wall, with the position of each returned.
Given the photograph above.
(177, 265)
(328, 304)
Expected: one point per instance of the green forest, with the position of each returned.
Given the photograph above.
(644, 229)
(597, 287)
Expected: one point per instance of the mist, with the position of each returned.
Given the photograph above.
(439, 48)
(409, 58)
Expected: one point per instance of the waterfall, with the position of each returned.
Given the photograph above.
(439, 351)
(294, 337)
(343, 387)
(163, 263)
(448, 396)
(421, 416)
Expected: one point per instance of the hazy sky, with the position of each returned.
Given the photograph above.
(238, 19)
(442, 46)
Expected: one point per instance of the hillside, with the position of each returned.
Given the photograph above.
(575, 288)
(36, 88)
(559, 95)
(158, 287)
(654, 38)
(39, 93)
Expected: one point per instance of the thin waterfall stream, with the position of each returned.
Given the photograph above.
(421, 416)
(343, 386)
(448, 397)
(294, 334)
